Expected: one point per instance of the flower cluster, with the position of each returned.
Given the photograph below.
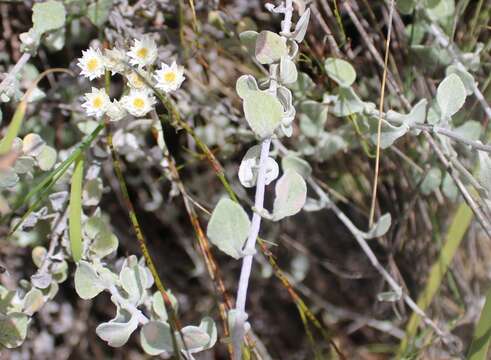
(139, 100)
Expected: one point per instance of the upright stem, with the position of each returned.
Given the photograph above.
(245, 271)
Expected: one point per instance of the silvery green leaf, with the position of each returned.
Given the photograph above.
(24, 165)
(46, 158)
(297, 164)
(208, 325)
(417, 115)
(93, 226)
(485, 171)
(340, 71)
(312, 205)
(54, 41)
(313, 116)
(104, 244)
(380, 227)
(117, 331)
(347, 103)
(286, 99)
(465, 76)
(449, 188)
(13, 329)
(33, 301)
(195, 338)
(270, 47)
(432, 56)
(390, 296)
(60, 271)
(8, 178)
(301, 26)
(329, 144)
(156, 338)
(134, 281)
(451, 95)
(158, 306)
(290, 195)
(41, 280)
(263, 113)
(87, 126)
(287, 130)
(248, 39)
(389, 133)
(47, 16)
(441, 10)
(32, 145)
(406, 7)
(431, 181)
(38, 255)
(471, 130)
(87, 281)
(245, 85)
(98, 12)
(434, 114)
(229, 227)
(288, 70)
(249, 168)
(92, 192)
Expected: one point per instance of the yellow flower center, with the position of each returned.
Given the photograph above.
(97, 102)
(138, 103)
(142, 53)
(92, 64)
(136, 81)
(169, 76)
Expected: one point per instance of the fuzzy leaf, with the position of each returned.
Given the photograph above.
(263, 113)
(229, 227)
(380, 227)
(87, 282)
(13, 329)
(301, 26)
(270, 47)
(299, 165)
(246, 85)
(117, 331)
(47, 16)
(451, 95)
(98, 12)
(431, 181)
(248, 170)
(291, 193)
(288, 71)
(156, 338)
(340, 71)
(46, 158)
(347, 103)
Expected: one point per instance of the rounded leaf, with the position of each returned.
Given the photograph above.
(156, 338)
(340, 71)
(263, 113)
(451, 95)
(47, 16)
(270, 47)
(291, 194)
(87, 282)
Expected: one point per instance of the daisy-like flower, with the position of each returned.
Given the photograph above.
(169, 78)
(143, 52)
(96, 103)
(114, 60)
(116, 111)
(135, 81)
(91, 63)
(138, 102)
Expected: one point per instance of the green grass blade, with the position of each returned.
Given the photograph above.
(75, 210)
(482, 335)
(14, 127)
(456, 232)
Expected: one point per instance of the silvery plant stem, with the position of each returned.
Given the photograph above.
(249, 248)
(11, 75)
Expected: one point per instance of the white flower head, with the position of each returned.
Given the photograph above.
(135, 81)
(114, 60)
(138, 102)
(116, 111)
(96, 103)
(143, 52)
(91, 63)
(169, 78)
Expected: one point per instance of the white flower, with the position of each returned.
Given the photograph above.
(169, 78)
(114, 60)
(135, 81)
(115, 111)
(143, 52)
(96, 102)
(91, 63)
(138, 102)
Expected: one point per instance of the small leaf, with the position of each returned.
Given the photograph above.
(465, 76)
(299, 165)
(98, 12)
(87, 282)
(248, 39)
(288, 71)
(301, 26)
(451, 95)
(92, 192)
(229, 227)
(104, 244)
(117, 331)
(8, 178)
(246, 85)
(134, 281)
(13, 329)
(389, 133)
(24, 165)
(263, 113)
(389, 296)
(75, 210)
(380, 227)
(471, 130)
(32, 145)
(195, 338)
(291, 193)
(156, 338)
(33, 301)
(347, 103)
(270, 47)
(340, 71)
(46, 158)
(313, 116)
(249, 168)
(47, 16)
(431, 181)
